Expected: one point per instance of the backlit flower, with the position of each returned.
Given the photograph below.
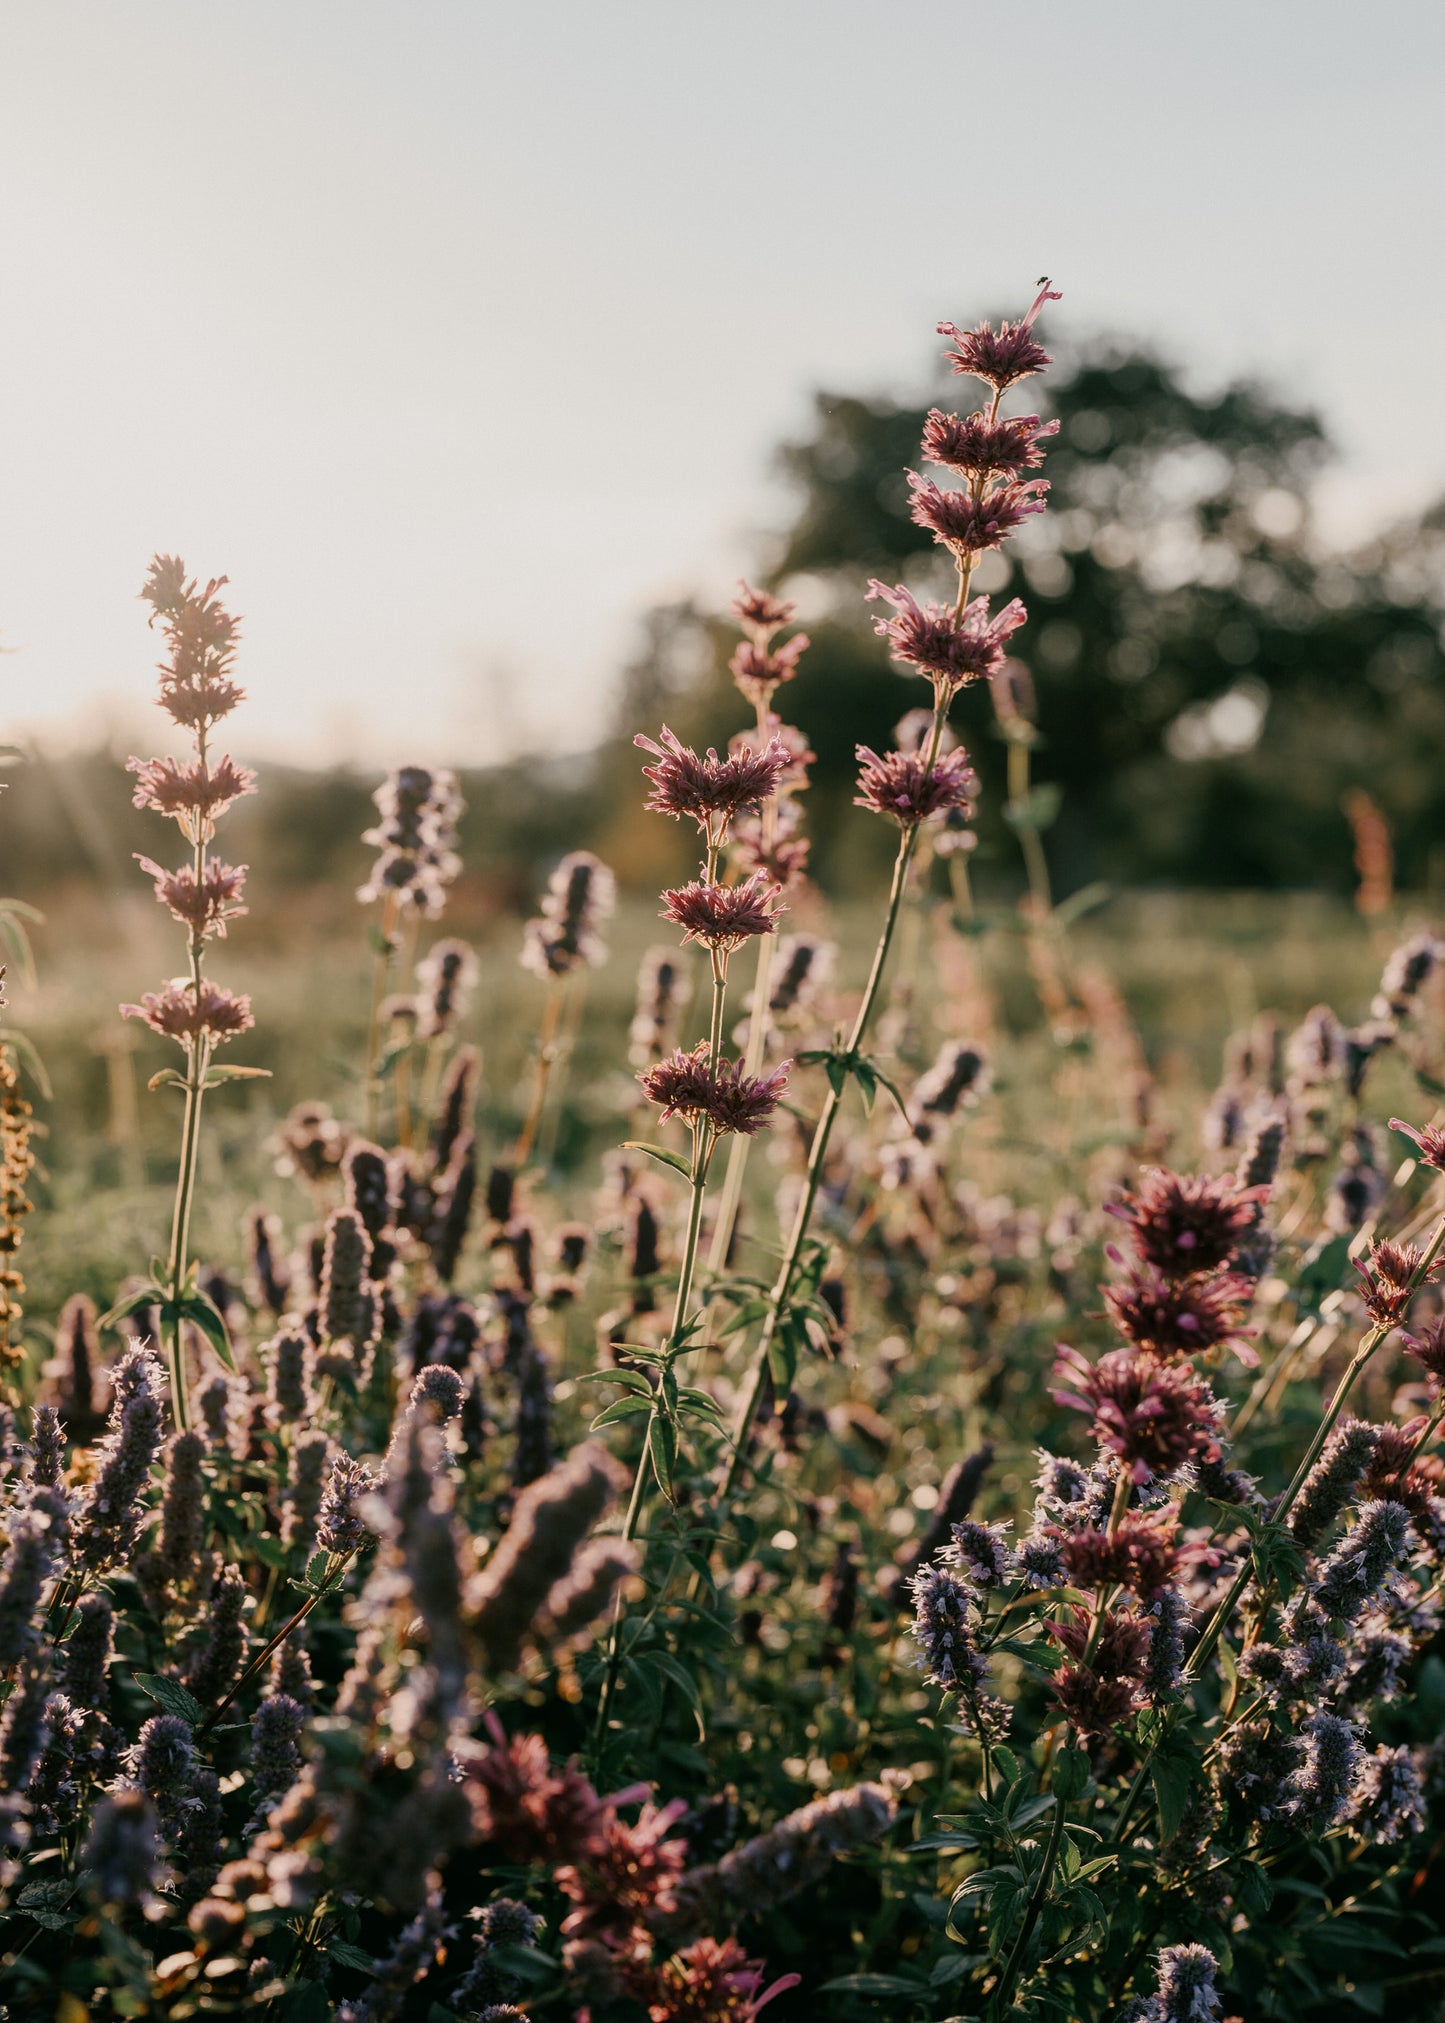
(705, 788)
(758, 670)
(686, 1085)
(723, 916)
(949, 647)
(1155, 1416)
(1183, 1223)
(204, 908)
(1180, 1317)
(977, 447)
(970, 525)
(904, 787)
(1004, 356)
(186, 1013)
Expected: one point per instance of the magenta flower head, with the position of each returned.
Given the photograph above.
(758, 670)
(968, 525)
(686, 1085)
(978, 448)
(187, 1014)
(724, 916)
(758, 612)
(196, 688)
(204, 907)
(1429, 1142)
(1183, 1223)
(1155, 1416)
(193, 795)
(1002, 357)
(1181, 1316)
(709, 788)
(951, 649)
(904, 787)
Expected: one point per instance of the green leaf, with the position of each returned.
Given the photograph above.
(306, 2002)
(622, 1408)
(1071, 1774)
(662, 1450)
(874, 1984)
(202, 1309)
(144, 1296)
(168, 1078)
(1172, 1774)
(1253, 1889)
(29, 1059)
(350, 1956)
(633, 1380)
(171, 1695)
(228, 1071)
(661, 1154)
(1007, 1765)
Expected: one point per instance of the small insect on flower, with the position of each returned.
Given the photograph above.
(724, 916)
(711, 790)
(1002, 357)
(903, 786)
(686, 1085)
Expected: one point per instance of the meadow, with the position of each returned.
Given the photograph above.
(920, 1501)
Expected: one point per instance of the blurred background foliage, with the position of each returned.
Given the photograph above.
(1214, 683)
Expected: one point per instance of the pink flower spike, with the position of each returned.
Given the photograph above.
(942, 645)
(684, 784)
(969, 525)
(182, 1013)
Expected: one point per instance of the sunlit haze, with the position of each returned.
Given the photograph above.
(457, 333)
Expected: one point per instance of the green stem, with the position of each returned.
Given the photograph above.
(1013, 1966)
(330, 1582)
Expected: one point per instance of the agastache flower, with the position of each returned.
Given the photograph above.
(1390, 1278)
(758, 670)
(1186, 1223)
(971, 526)
(980, 448)
(710, 788)
(1004, 356)
(951, 649)
(1429, 1142)
(688, 1085)
(758, 612)
(1387, 1803)
(196, 688)
(581, 894)
(205, 907)
(1155, 1416)
(182, 1011)
(1096, 1695)
(723, 916)
(193, 794)
(904, 787)
(1180, 1317)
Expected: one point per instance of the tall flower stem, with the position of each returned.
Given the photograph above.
(380, 977)
(546, 1055)
(818, 1153)
(1013, 1966)
(1036, 863)
(198, 1061)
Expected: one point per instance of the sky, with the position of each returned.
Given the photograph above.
(457, 333)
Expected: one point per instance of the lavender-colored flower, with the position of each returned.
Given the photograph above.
(686, 1085)
(1265, 1149)
(30, 1556)
(1357, 1568)
(945, 1617)
(1376, 1660)
(1405, 975)
(177, 1560)
(584, 1594)
(1170, 1616)
(1002, 357)
(1387, 1803)
(1157, 1417)
(984, 447)
(1187, 1993)
(118, 1863)
(981, 1552)
(87, 1652)
(275, 1752)
(23, 1727)
(759, 670)
(222, 1654)
(723, 916)
(198, 1842)
(110, 1519)
(663, 990)
(310, 1461)
(447, 975)
(161, 1763)
(340, 1527)
(409, 1962)
(47, 1448)
(1317, 1790)
(580, 895)
(290, 1674)
(225, 1407)
(801, 1849)
(456, 1191)
(347, 1307)
(550, 1521)
(959, 1076)
(288, 1362)
(1330, 1485)
(371, 1189)
(711, 790)
(53, 1793)
(416, 839)
(502, 1925)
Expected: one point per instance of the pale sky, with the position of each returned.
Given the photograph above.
(458, 332)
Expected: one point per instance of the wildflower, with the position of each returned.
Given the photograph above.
(222, 1653)
(1405, 975)
(188, 1012)
(1187, 1993)
(1390, 1278)
(415, 838)
(347, 1308)
(981, 1552)
(1264, 1151)
(713, 1981)
(970, 525)
(338, 1524)
(183, 1512)
(903, 786)
(161, 1764)
(440, 1388)
(502, 1926)
(196, 688)
(688, 1085)
(1428, 1347)
(269, 1275)
(310, 1460)
(945, 1616)
(711, 788)
(1375, 1662)
(959, 1076)
(110, 1519)
(204, 907)
(447, 975)
(1355, 1571)
(1169, 1618)
(87, 1652)
(581, 893)
(983, 448)
(455, 1104)
(47, 1447)
(1004, 356)
(313, 1143)
(1315, 1049)
(723, 916)
(783, 856)
(457, 1190)
(802, 967)
(1096, 1695)
(23, 1729)
(1317, 1790)
(288, 1360)
(1141, 1553)
(758, 611)
(663, 989)
(409, 1961)
(1387, 1803)
(1180, 1317)
(1155, 1416)
(192, 793)
(119, 1860)
(275, 1757)
(1329, 1487)
(584, 1594)
(1186, 1223)
(53, 1792)
(797, 1852)
(758, 670)
(551, 1519)
(225, 1409)
(199, 1836)
(76, 1370)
